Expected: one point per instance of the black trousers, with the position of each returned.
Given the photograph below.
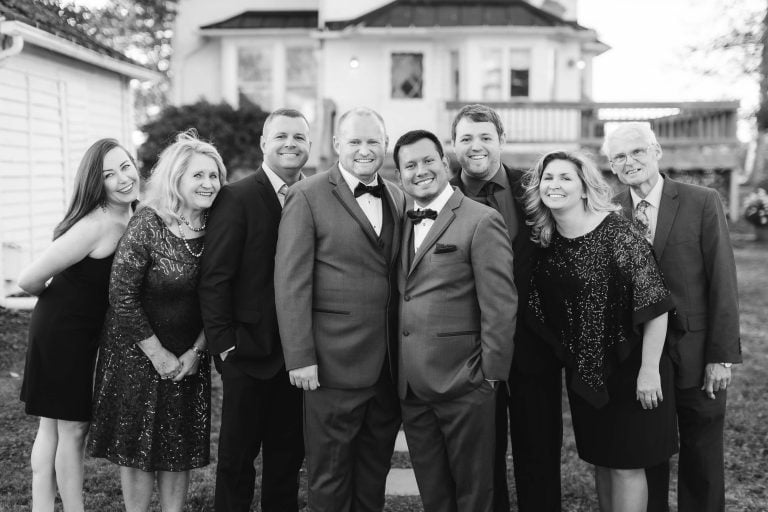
(701, 468)
(536, 432)
(258, 414)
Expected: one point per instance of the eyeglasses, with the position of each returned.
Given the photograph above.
(638, 154)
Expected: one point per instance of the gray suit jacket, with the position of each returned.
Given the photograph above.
(693, 247)
(458, 303)
(333, 287)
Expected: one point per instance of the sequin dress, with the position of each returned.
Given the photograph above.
(63, 339)
(140, 420)
(589, 297)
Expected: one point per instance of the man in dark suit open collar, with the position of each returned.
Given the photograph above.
(457, 318)
(260, 409)
(336, 305)
(686, 225)
(534, 394)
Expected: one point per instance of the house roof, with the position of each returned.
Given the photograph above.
(47, 17)
(456, 13)
(268, 19)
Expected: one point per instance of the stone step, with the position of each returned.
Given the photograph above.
(401, 445)
(401, 482)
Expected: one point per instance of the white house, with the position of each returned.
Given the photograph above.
(407, 59)
(60, 91)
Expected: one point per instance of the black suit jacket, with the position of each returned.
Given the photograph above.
(531, 353)
(237, 294)
(693, 247)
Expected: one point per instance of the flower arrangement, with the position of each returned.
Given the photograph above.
(756, 207)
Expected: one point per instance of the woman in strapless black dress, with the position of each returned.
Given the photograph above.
(71, 278)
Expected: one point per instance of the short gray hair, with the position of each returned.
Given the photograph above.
(633, 128)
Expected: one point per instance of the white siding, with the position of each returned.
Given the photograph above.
(51, 109)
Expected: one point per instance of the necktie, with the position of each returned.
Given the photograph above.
(374, 190)
(281, 193)
(642, 219)
(417, 216)
(487, 194)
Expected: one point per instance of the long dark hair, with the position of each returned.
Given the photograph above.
(89, 190)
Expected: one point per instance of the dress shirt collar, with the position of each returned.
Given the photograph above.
(275, 180)
(353, 180)
(437, 203)
(474, 185)
(654, 196)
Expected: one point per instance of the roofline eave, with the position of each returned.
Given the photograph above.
(67, 48)
(232, 32)
(361, 30)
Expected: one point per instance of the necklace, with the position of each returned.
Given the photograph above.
(190, 226)
(186, 244)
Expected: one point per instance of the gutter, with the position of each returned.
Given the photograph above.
(22, 32)
(13, 50)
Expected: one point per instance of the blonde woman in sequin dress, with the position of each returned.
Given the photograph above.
(598, 297)
(152, 394)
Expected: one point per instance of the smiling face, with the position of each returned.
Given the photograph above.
(641, 172)
(285, 144)
(423, 174)
(361, 145)
(561, 188)
(200, 183)
(121, 179)
(478, 148)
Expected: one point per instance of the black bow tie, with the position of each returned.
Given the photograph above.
(417, 216)
(374, 190)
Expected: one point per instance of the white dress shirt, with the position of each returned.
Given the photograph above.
(421, 229)
(370, 205)
(654, 200)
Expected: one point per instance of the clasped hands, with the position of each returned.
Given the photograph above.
(168, 366)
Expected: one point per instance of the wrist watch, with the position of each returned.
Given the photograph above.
(727, 365)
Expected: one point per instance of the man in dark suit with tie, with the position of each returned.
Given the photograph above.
(534, 394)
(337, 306)
(687, 227)
(237, 299)
(457, 317)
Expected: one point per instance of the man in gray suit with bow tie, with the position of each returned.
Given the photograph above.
(457, 321)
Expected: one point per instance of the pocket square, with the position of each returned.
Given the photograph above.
(443, 248)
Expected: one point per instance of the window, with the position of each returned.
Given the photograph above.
(505, 76)
(301, 80)
(519, 69)
(455, 77)
(254, 75)
(407, 75)
(492, 74)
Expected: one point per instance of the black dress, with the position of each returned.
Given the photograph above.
(63, 339)
(590, 296)
(140, 420)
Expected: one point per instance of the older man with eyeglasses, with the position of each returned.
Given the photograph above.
(687, 227)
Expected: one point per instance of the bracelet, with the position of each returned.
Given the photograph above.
(199, 353)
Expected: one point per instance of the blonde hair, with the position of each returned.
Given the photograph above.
(599, 193)
(163, 185)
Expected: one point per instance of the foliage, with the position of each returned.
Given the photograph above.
(235, 133)
(756, 206)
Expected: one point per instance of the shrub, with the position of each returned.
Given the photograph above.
(235, 133)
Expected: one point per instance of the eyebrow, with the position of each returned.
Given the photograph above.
(121, 164)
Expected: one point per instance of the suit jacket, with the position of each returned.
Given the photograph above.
(237, 296)
(693, 247)
(458, 303)
(531, 353)
(334, 288)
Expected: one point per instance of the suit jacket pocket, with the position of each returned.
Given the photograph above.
(331, 311)
(455, 255)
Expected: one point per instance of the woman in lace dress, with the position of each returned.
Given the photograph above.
(598, 297)
(152, 394)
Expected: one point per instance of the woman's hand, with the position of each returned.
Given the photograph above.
(190, 362)
(166, 364)
(649, 387)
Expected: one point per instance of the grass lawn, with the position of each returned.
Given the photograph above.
(746, 431)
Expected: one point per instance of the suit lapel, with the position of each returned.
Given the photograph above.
(267, 192)
(667, 213)
(625, 201)
(347, 199)
(443, 220)
(389, 201)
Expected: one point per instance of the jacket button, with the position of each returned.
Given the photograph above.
(406, 333)
(407, 298)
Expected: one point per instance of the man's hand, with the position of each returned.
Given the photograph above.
(305, 378)
(716, 377)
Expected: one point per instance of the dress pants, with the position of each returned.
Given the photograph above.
(536, 432)
(701, 468)
(258, 414)
(451, 444)
(350, 436)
